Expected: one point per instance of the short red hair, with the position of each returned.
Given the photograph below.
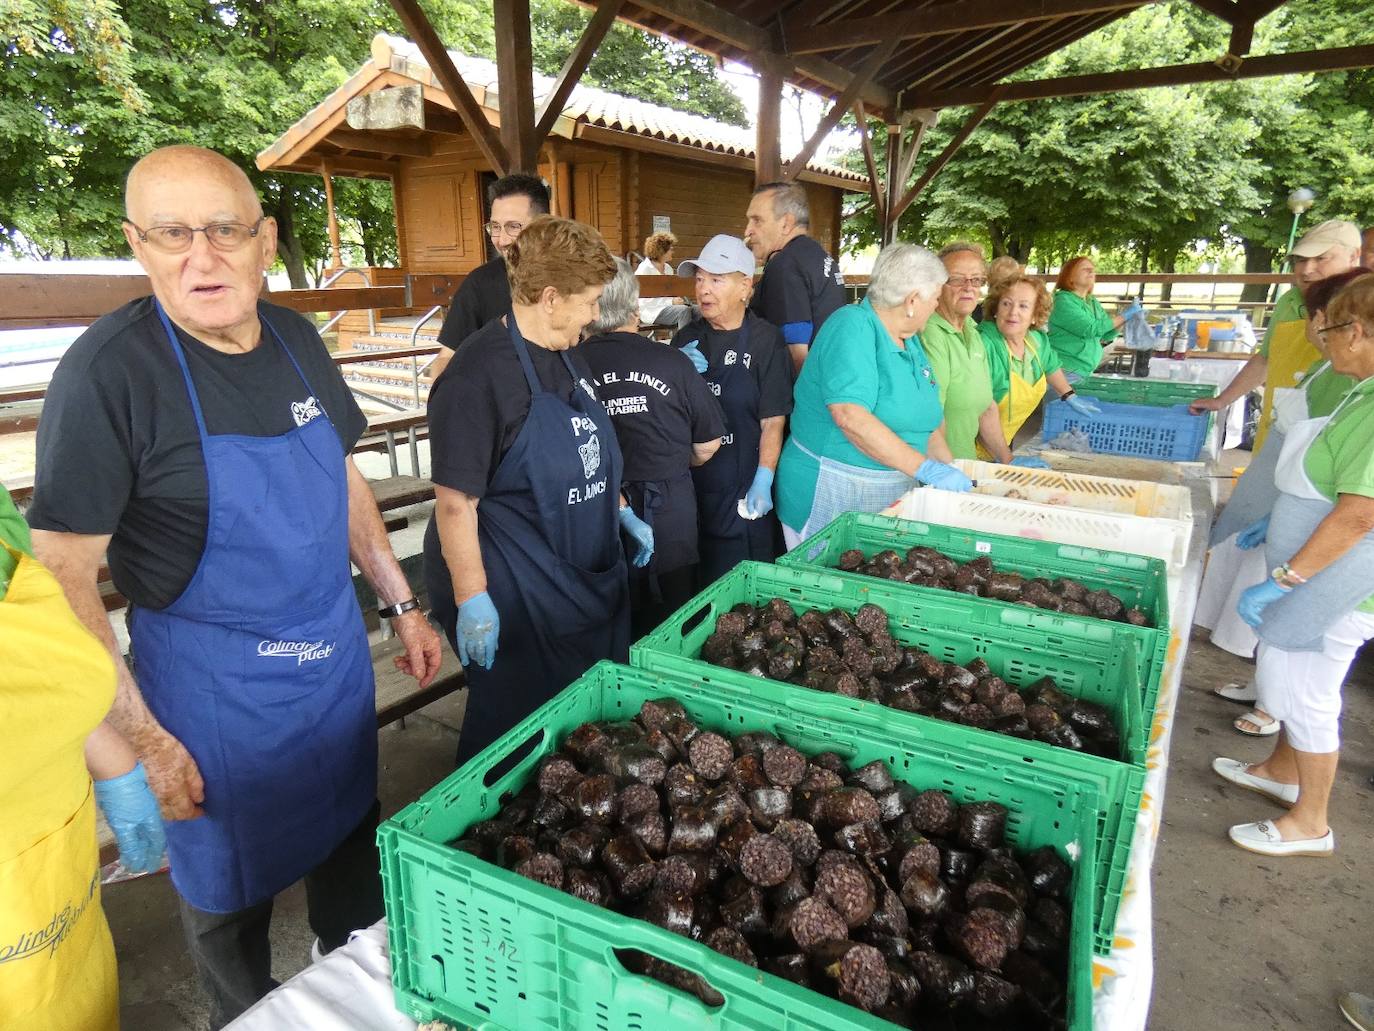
(1067, 270)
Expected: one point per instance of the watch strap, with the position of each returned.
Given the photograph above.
(399, 609)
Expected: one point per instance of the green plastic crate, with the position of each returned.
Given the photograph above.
(1157, 393)
(478, 946)
(1091, 662)
(1136, 579)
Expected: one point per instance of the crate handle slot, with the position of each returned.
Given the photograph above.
(498, 769)
(697, 618)
(679, 959)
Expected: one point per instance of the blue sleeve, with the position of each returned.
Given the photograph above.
(796, 332)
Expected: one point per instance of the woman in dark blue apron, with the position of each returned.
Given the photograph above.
(747, 366)
(543, 592)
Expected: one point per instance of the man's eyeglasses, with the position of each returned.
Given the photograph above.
(510, 228)
(959, 282)
(1327, 329)
(177, 239)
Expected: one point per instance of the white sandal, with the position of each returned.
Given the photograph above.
(1246, 693)
(1266, 725)
(1264, 838)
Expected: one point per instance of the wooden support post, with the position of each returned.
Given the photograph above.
(436, 56)
(515, 83)
(892, 187)
(575, 65)
(874, 62)
(875, 186)
(335, 250)
(398, 209)
(1242, 35)
(975, 120)
(768, 128)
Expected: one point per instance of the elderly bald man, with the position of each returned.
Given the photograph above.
(200, 439)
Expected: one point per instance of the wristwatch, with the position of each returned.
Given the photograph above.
(1067, 394)
(399, 609)
(1286, 578)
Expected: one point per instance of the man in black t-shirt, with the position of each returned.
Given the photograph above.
(484, 295)
(801, 284)
(201, 438)
(667, 422)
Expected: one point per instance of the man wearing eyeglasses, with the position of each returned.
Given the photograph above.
(200, 440)
(514, 201)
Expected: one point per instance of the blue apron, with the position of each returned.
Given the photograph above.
(261, 667)
(726, 537)
(549, 530)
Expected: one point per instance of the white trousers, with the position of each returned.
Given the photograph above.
(1230, 570)
(1303, 689)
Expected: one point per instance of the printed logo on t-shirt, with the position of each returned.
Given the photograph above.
(590, 453)
(306, 411)
(730, 358)
(832, 270)
(34, 941)
(588, 388)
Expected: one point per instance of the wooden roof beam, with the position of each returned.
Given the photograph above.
(722, 28)
(944, 158)
(875, 185)
(575, 65)
(418, 27)
(862, 77)
(379, 142)
(1301, 62)
(935, 21)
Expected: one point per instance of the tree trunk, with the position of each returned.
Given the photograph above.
(288, 243)
(1258, 259)
(1168, 263)
(369, 250)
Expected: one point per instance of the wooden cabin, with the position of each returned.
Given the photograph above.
(625, 166)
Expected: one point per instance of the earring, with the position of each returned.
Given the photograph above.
(910, 313)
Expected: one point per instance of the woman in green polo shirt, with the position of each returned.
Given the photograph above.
(866, 422)
(1079, 326)
(955, 347)
(1315, 610)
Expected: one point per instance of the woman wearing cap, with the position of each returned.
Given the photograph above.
(1315, 609)
(1021, 360)
(747, 367)
(667, 422)
(868, 424)
(1079, 326)
(1236, 561)
(1324, 250)
(524, 548)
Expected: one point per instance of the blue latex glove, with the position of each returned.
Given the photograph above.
(693, 352)
(1135, 309)
(1082, 406)
(1253, 535)
(759, 498)
(1255, 599)
(131, 810)
(1029, 462)
(641, 533)
(479, 626)
(942, 476)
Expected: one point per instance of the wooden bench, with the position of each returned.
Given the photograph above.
(397, 697)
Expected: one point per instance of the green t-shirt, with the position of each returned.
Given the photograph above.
(853, 360)
(1030, 366)
(1288, 308)
(1325, 388)
(14, 532)
(961, 372)
(1341, 459)
(1079, 326)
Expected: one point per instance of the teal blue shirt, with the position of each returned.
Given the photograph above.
(853, 360)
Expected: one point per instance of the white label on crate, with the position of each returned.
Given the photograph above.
(982, 547)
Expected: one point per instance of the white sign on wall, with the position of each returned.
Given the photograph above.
(663, 224)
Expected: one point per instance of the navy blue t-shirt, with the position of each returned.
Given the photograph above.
(801, 287)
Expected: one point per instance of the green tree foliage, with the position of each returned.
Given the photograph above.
(1153, 171)
(87, 86)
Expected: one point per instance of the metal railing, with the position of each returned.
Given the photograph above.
(334, 278)
(415, 369)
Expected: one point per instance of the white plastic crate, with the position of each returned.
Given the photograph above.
(1165, 539)
(1075, 490)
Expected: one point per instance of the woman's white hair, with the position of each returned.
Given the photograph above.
(902, 269)
(619, 301)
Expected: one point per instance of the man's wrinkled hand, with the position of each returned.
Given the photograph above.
(424, 650)
(173, 776)
(1205, 404)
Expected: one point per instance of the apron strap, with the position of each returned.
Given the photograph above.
(185, 369)
(522, 351)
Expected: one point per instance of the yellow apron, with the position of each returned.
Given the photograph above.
(1290, 355)
(57, 964)
(1023, 397)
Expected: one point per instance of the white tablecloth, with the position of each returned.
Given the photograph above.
(350, 990)
(1220, 371)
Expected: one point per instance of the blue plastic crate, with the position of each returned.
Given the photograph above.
(1141, 431)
